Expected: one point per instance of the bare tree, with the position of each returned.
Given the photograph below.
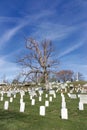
(64, 75)
(39, 59)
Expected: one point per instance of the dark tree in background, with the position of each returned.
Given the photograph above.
(39, 60)
(16, 80)
(65, 75)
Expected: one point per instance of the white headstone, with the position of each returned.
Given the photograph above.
(11, 99)
(69, 94)
(8, 94)
(83, 98)
(40, 98)
(21, 100)
(46, 95)
(47, 103)
(14, 95)
(64, 113)
(63, 104)
(73, 96)
(22, 107)
(54, 95)
(30, 97)
(33, 102)
(57, 90)
(6, 104)
(32, 93)
(63, 99)
(50, 98)
(52, 92)
(1, 98)
(40, 92)
(81, 106)
(42, 110)
(62, 94)
(65, 89)
(22, 95)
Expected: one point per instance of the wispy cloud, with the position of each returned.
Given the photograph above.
(10, 33)
(52, 31)
(27, 20)
(73, 48)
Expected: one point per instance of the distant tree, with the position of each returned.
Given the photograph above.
(4, 79)
(39, 60)
(16, 80)
(53, 78)
(65, 75)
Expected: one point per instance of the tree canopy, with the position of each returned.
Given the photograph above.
(39, 60)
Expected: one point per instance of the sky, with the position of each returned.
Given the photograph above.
(64, 22)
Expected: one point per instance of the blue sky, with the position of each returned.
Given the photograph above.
(62, 21)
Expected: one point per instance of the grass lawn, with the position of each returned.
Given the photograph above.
(12, 119)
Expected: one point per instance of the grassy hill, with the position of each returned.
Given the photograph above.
(12, 119)
(79, 82)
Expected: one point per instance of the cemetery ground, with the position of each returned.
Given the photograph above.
(13, 119)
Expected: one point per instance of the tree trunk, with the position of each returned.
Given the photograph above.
(46, 80)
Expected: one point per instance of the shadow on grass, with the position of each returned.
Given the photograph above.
(8, 114)
(10, 120)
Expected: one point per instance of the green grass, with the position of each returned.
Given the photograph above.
(78, 82)
(12, 119)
